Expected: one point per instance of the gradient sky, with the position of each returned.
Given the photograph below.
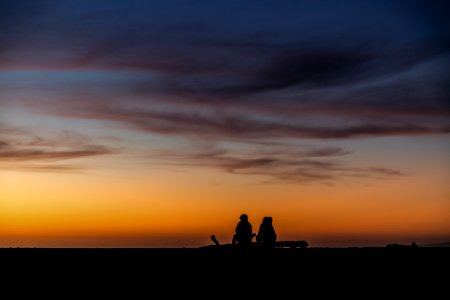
(157, 123)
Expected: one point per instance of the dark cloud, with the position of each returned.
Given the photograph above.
(231, 74)
(316, 68)
(229, 71)
(290, 163)
(222, 126)
(294, 58)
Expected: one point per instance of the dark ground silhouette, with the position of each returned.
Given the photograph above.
(252, 271)
(276, 244)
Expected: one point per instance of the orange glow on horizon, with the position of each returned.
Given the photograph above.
(150, 212)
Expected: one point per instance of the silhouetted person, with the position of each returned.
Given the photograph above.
(244, 233)
(266, 234)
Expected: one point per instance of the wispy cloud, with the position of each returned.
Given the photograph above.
(288, 163)
(14, 154)
(220, 125)
(219, 79)
(209, 71)
(46, 168)
(21, 149)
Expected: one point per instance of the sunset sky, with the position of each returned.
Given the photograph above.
(157, 123)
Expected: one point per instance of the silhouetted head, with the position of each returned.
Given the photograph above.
(243, 217)
(267, 220)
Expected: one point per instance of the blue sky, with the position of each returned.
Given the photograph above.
(286, 73)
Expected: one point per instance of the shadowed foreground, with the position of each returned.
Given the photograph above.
(404, 270)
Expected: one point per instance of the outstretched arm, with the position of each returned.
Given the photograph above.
(215, 241)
